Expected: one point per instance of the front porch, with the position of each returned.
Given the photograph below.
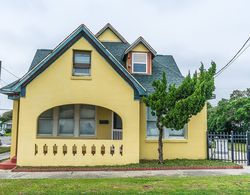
(79, 121)
(79, 135)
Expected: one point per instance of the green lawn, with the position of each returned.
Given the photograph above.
(8, 134)
(149, 185)
(4, 149)
(149, 164)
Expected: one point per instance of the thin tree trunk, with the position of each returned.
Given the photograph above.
(160, 143)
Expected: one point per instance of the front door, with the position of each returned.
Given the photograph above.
(116, 127)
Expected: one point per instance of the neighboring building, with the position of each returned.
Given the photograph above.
(80, 104)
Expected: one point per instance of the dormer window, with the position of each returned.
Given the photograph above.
(81, 63)
(139, 63)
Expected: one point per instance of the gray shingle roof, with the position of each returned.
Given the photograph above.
(117, 49)
(39, 56)
(161, 63)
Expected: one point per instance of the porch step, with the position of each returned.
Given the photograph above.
(7, 165)
(13, 160)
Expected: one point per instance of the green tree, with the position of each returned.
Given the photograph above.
(174, 105)
(231, 114)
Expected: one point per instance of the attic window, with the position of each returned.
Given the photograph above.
(81, 63)
(139, 63)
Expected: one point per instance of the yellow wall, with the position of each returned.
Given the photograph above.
(54, 87)
(14, 128)
(104, 130)
(109, 36)
(194, 147)
(140, 47)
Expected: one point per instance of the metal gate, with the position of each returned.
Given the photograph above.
(234, 147)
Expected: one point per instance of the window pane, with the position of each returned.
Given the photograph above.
(66, 119)
(66, 112)
(150, 117)
(117, 122)
(139, 67)
(87, 111)
(81, 71)
(47, 114)
(82, 58)
(139, 57)
(87, 127)
(66, 126)
(174, 133)
(152, 130)
(45, 122)
(45, 126)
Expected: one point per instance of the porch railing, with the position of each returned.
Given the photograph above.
(117, 134)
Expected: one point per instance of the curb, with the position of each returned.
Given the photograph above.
(54, 169)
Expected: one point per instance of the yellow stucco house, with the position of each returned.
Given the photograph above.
(80, 104)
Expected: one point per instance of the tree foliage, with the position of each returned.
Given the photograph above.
(174, 105)
(6, 116)
(231, 114)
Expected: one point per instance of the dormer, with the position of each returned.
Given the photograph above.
(109, 34)
(139, 57)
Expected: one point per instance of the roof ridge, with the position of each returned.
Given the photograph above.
(140, 39)
(82, 30)
(108, 25)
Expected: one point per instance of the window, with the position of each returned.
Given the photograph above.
(87, 120)
(66, 120)
(45, 123)
(117, 121)
(81, 63)
(153, 132)
(139, 62)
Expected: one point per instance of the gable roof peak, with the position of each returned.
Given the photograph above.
(139, 40)
(108, 25)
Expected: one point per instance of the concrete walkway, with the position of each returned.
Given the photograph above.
(4, 155)
(122, 174)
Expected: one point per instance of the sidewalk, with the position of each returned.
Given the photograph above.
(122, 174)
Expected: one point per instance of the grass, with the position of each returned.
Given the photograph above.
(145, 164)
(8, 134)
(4, 149)
(149, 185)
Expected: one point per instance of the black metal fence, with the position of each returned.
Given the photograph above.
(234, 146)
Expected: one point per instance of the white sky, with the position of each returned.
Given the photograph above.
(192, 31)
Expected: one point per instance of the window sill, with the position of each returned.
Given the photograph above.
(81, 77)
(65, 137)
(167, 140)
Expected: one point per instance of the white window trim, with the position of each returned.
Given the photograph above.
(140, 63)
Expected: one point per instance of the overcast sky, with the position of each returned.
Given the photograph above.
(192, 31)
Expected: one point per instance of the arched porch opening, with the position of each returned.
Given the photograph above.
(80, 121)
